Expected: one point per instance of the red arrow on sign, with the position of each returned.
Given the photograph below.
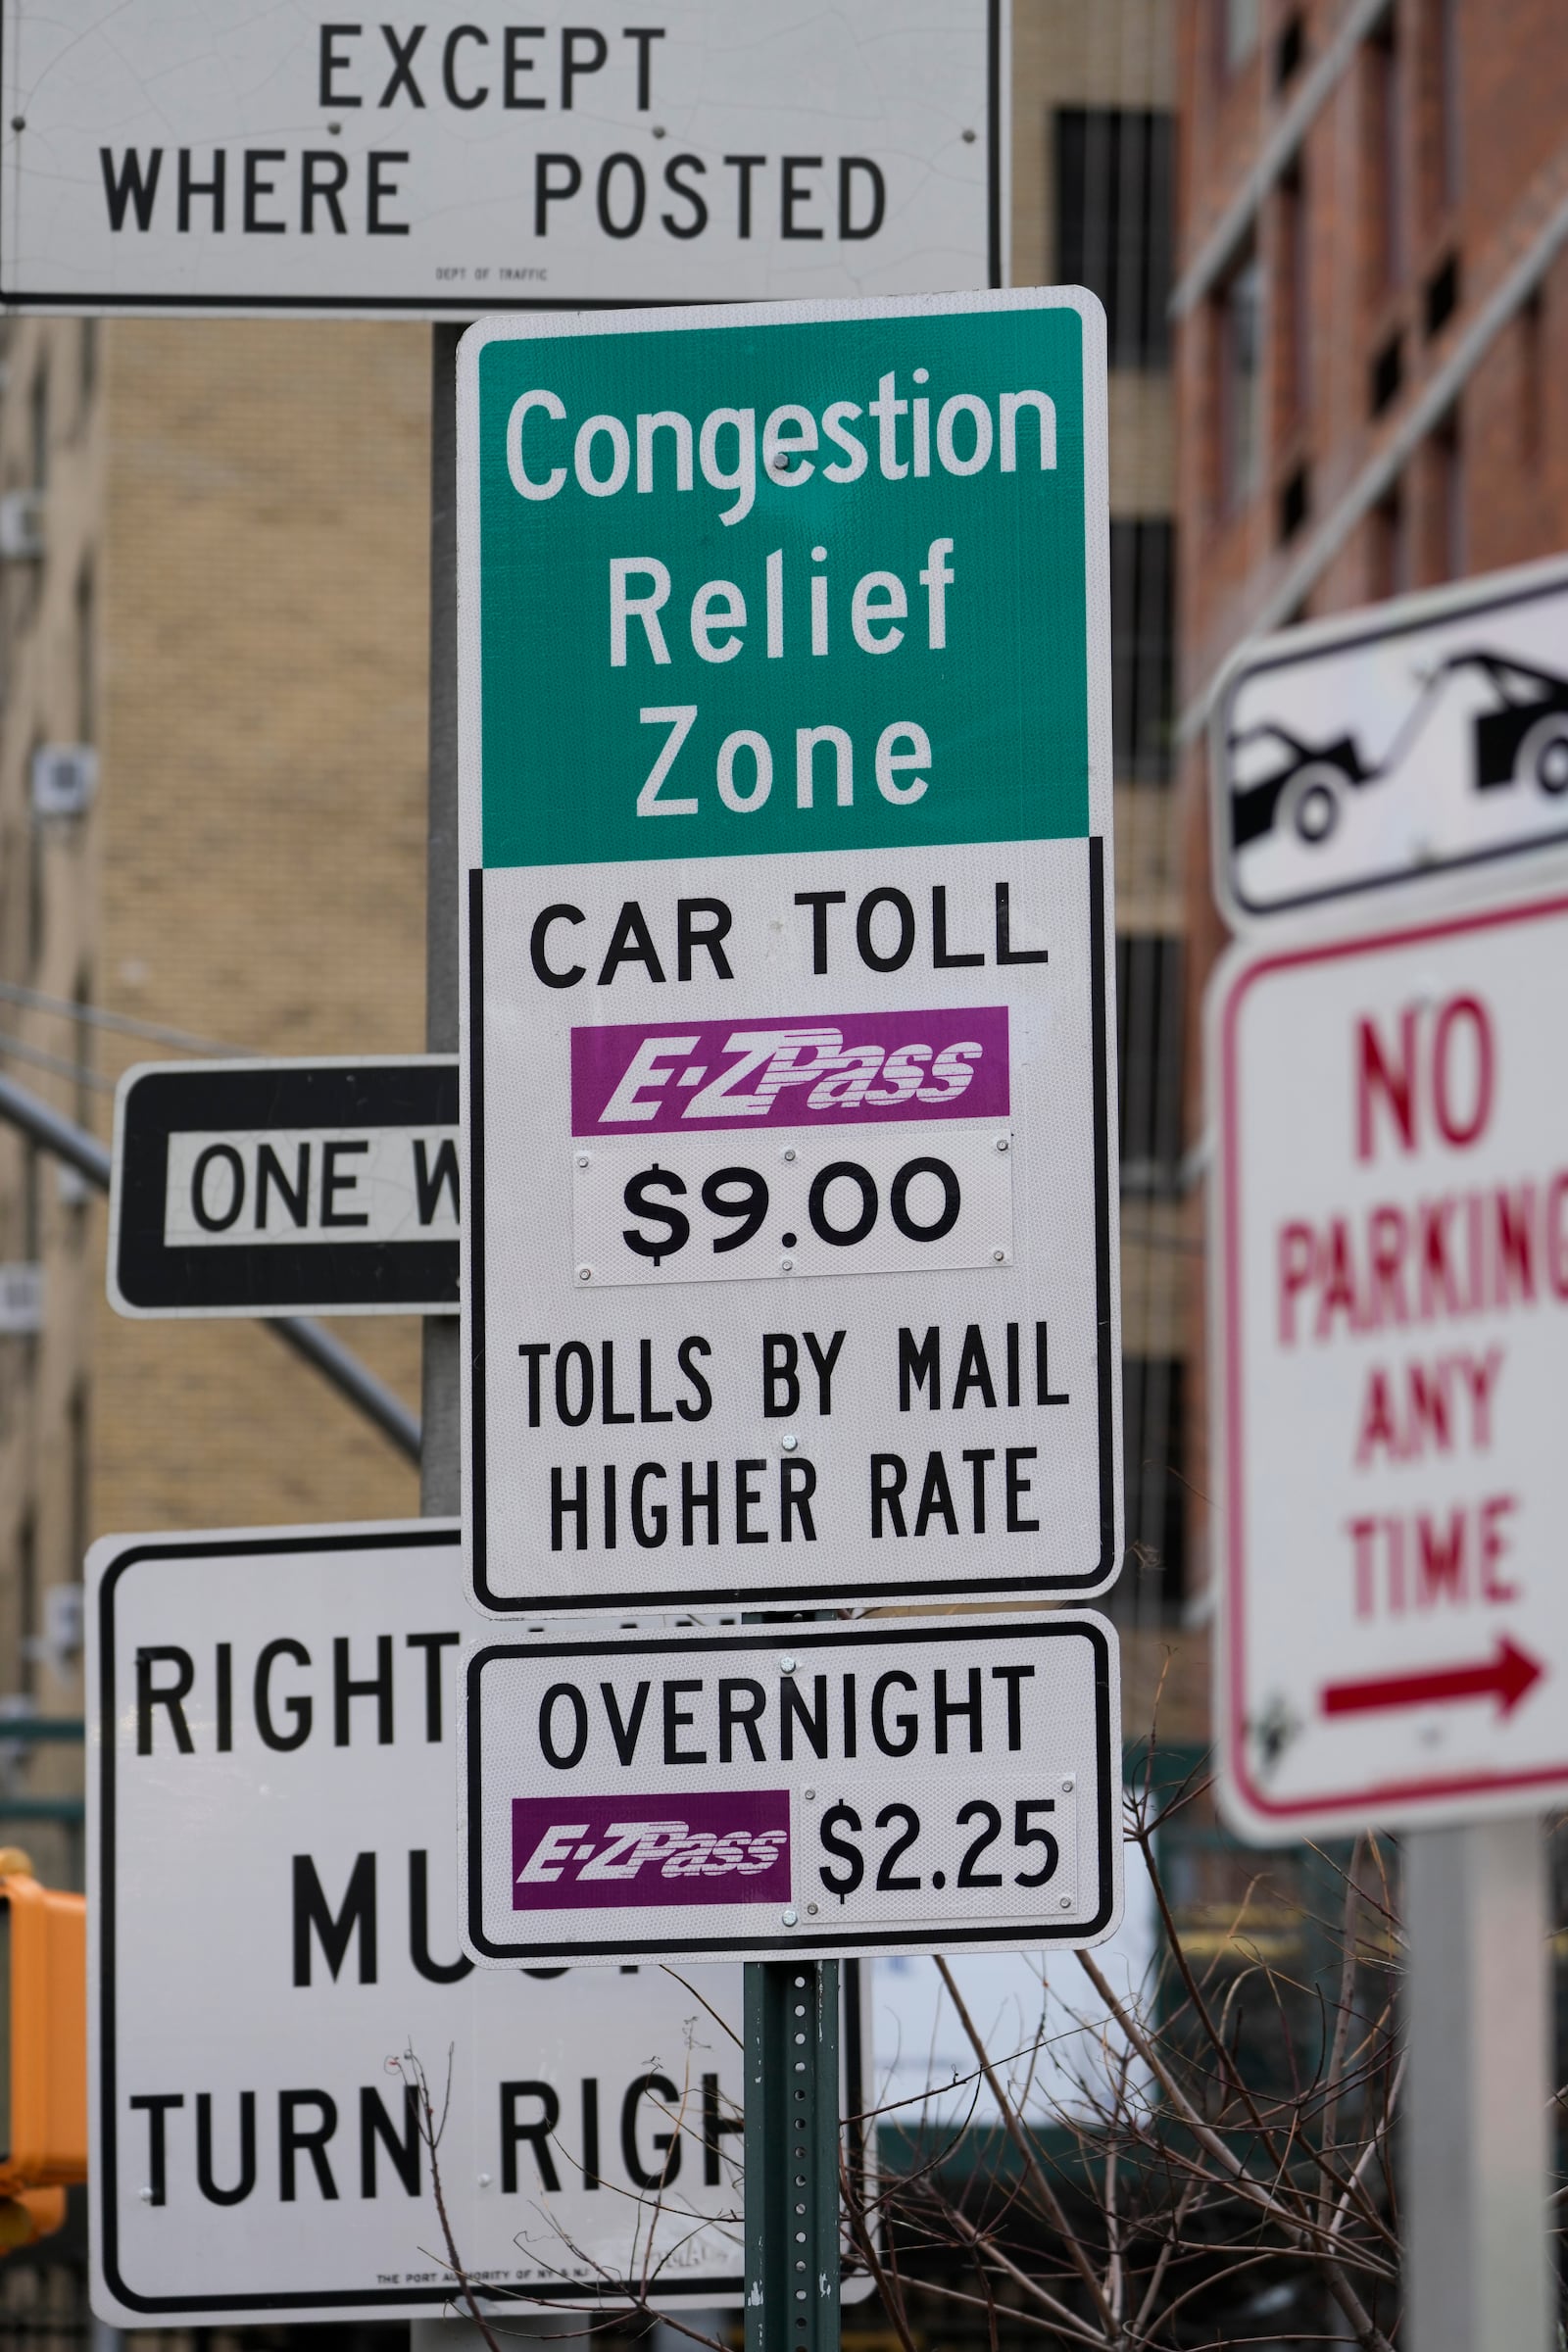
(1506, 1676)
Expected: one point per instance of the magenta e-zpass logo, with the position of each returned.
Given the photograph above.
(815, 1069)
(572, 1853)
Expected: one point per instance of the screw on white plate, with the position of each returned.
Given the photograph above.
(810, 1796)
(484, 2180)
(791, 1919)
(146, 2195)
(1004, 1143)
(811, 1910)
(1066, 1902)
(1001, 1256)
(788, 1152)
(786, 1665)
(789, 1441)
(585, 1273)
(1069, 1785)
(583, 1157)
(786, 1265)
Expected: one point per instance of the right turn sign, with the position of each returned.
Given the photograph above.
(1390, 1257)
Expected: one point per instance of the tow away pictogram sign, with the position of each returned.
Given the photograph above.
(1390, 1261)
(1380, 749)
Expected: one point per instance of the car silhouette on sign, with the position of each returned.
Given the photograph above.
(1281, 780)
(1519, 736)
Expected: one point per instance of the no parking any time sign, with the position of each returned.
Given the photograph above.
(790, 1237)
(1390, 1254)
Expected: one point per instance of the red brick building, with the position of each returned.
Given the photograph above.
(1371, 329)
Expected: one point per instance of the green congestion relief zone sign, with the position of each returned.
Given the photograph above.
(785, 792)
(860, 521)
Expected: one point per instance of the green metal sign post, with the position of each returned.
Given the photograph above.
(791, 2156)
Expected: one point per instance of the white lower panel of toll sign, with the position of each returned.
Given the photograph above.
(874, 1199)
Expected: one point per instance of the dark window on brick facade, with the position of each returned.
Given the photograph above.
(1290, 50)
(86, 655)
(38, 427)
(1442, 294)
(1296, 502)
(1447, 500)
(1150, 1014)
(1389, 545)
(1386, 374)
(1440, 61)
(1153, 1400)
(38, 882)
(1292, 291)
(80, 1458)
(28, 1605)
(1237, 340)
(1114, 202)
(1383, 138)
(1143, 587)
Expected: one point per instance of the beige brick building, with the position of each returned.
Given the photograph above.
(230, 606)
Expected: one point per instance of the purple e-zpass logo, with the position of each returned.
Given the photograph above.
(814, 1070)
(573, 1854)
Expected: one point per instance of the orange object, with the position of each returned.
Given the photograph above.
(23, 2220)
(43, 2065)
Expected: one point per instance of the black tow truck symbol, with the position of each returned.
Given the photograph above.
(1285, 783)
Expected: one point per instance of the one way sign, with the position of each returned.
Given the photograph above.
(280, 1188)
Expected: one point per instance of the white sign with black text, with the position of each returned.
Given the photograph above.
(279, 1188)
(909, 1785)
(294, 158)
(273, 1903)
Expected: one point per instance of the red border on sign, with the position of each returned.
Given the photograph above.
(1288, 960)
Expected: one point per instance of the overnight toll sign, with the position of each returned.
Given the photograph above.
(791, 1252)
(914, 1784)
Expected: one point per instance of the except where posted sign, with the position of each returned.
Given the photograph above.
(309, 158)
(791, 1240)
